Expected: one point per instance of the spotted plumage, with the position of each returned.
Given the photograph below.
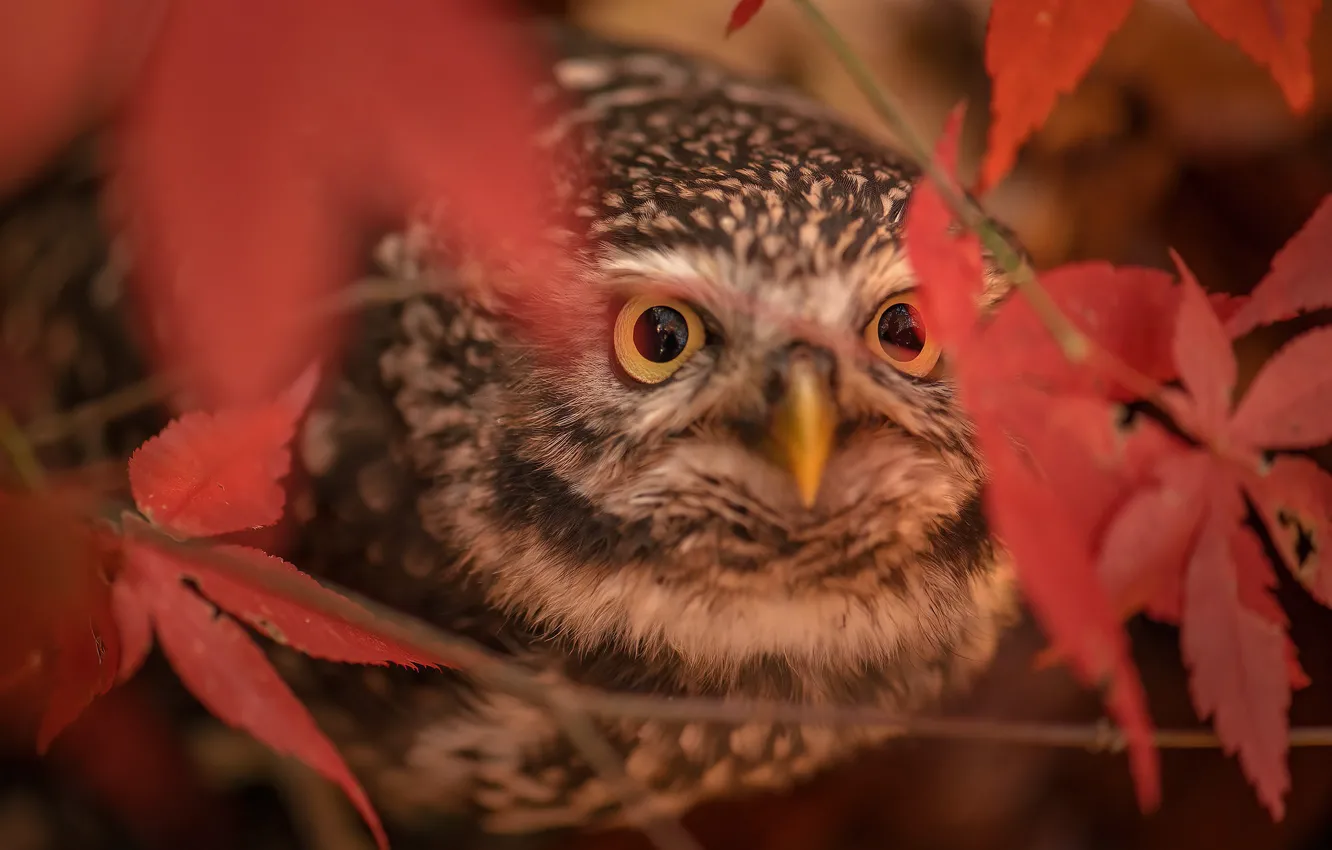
(652, 537)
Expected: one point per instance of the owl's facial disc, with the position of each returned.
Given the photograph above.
(803, 408)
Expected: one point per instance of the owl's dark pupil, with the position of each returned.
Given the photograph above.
(901, 327)
(660, 334)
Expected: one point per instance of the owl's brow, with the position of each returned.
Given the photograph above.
(693, 290)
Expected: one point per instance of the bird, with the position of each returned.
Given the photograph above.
(745, 476)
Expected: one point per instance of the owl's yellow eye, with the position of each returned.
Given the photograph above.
(898, 334)
(655, 336)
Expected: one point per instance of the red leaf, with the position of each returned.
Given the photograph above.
(57, 638)
(132, 622)
(1226, 306)
(1298, 281)
(947, 263)
(1256, 578)
(87, 661)
(742, 13)
(1059, 580)
(1237, 657)
(1289, 403)
(63, 63)
(1050, 554)
(215, 473)
(1082, 452)
(1299, 489)
(1127, 311)
(231, 676)
(1203, 355)
(309, 630)
(1036, 50)
(267, 137)
(1275, 33)
(1294, 672)
(1146, 548)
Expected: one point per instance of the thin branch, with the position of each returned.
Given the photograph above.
(98, 412)
(143, 394)
(447, 651)
(565, 698)
(1101, 736)
(21, 455)
(573, 718)
(370, 291)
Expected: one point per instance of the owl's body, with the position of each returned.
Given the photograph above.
(640, 523)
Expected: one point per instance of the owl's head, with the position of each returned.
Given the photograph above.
(746, 448)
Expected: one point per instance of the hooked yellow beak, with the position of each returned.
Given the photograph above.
(803, 426)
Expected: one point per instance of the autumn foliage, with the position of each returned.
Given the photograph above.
(1106, 519)
(1036, 50)
(212, 474)
(204, 475)
(246, 180)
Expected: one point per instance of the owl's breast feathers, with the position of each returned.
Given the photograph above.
(450, 474)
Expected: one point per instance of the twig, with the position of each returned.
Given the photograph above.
(447, 651)
(573, 717)
(370, 291)
(21, 456)
(142, 394)
(563, 698)
(98, 412)
(1101, 736)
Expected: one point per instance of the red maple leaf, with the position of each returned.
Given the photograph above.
(1036, 50)
(1294, 496)
(1104, 522)
(1057, 571)
(1297, 281)
(209, 474)
(1150, 535)
(1094, 296)
(1275, 33)
(63, 63)
(1204, 568)
(215, 473)
(58, 643)
(1236, 654)
(1050, 549)
(224, 668)
(1289, 404)
(265, 138)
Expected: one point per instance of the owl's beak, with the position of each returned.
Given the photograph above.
(803, 426)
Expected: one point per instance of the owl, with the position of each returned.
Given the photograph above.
(741, 474)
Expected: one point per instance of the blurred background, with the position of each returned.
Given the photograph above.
(1175, 139)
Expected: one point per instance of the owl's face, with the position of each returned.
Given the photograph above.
(749, 447)
(761, 406)
(724, 450)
